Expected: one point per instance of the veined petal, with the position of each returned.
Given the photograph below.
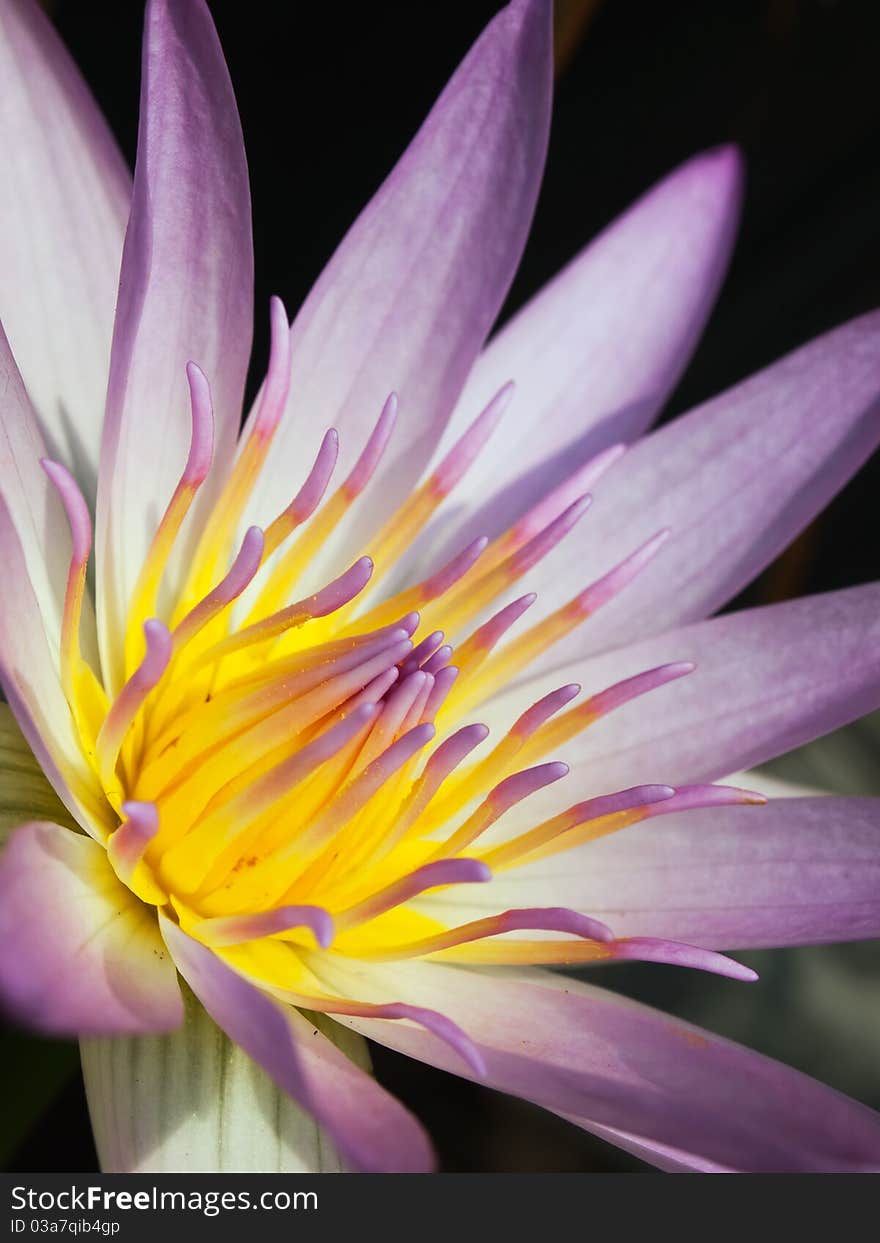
(800, 871)
(734, 481)
(185, 293)
(602, 1060)
(371, 1128)
(669, 1160)
(597, 351)
(192, 1100)
(29, 500)
(766, 680)
(79, 954)
(64, 199)
(409, 296)
(25, 792)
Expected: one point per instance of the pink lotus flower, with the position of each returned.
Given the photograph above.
(263, 738)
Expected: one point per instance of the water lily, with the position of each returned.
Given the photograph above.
(303, 745)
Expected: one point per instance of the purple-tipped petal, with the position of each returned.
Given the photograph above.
(596, 353)
(79, 954)
(605, 1061)
(64, 199)
(412, 291)
(735, 480)
(371, 1128)
(185, 293)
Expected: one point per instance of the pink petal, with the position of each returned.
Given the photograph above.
(735, 480)
(64, 198)
(800, 871)
(596, 353)
(370, 1127)
(408, 298)
(185, 293)
(605, 1061)
(79, 954)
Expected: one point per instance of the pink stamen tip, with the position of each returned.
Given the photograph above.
(409, 623)
(239, 576)
(127, 844)
(417, 714)
(465, 451)
(533, 718)
(556, 502)
(438, 662)
(75, 509)
(596, 467)
(485, 638)
(429, 876)
(554, 919)
(691, 798)
(406, 694)
(140, 826)
(612, 583)
(547, 539)
(341, 591)
(441, 1027)
(364, 467)
(642, 797)
(380, 669)
(454, 569)
(343, 731)
(155, 661)
(129, 700)
(422, 651)
(277, 383)
(375, 690)
(675, 953)
(630, 688)
(513, 790)
(443, 683)
(243, 568)
(395, 756)
(311, 493)
(201, 444)
(143, 818)
(453, 750)
(235, 929)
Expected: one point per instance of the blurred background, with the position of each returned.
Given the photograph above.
(329, 94)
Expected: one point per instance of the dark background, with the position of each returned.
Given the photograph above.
(329, 95)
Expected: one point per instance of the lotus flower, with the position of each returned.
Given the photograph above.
(258, 755)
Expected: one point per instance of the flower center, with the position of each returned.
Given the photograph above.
(293, 775)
